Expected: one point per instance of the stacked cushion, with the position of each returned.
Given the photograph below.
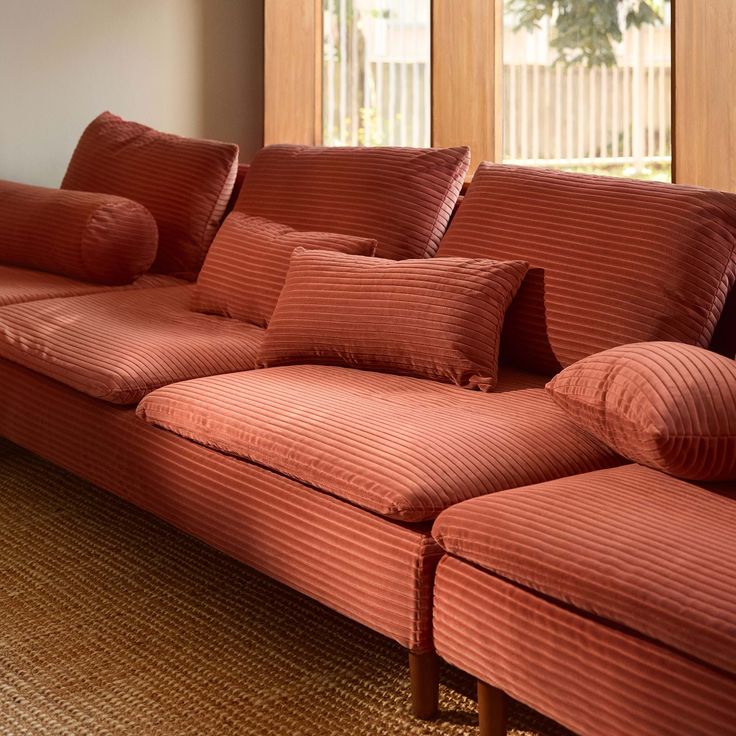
(96, 238)
(185, 183)
(401, 197)
(666, 405)
(612, 261)
(439, 318)
(118, 346)
(246, 266)
(402, 447)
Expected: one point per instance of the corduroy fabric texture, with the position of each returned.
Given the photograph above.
(18, 285)
(630, 544)
(612, 261)
(596, 679)
(179, 639)
(666, 405)
(402, 447)
(98, 238)
(185, 183)
(401, 197)
(438, 318)
(118, 346)
(247, 264)
(242, 172)
(373, 570)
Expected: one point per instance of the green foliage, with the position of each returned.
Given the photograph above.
(585, 30)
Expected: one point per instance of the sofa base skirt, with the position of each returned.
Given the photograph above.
(589, 676)
(374, 570)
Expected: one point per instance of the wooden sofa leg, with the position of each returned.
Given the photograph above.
(492, 710)
(425, 684)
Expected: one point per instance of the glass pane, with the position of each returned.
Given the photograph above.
(376, 73)
(588, 91)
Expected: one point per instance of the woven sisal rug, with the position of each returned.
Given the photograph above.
(112, 622)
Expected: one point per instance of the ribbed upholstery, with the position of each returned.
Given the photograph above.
(185, 183)
(629, 544)
(118, 346)
(437, 318)
(242, 172)
(666, 405)
(19, 285)
(91, 237)
(246, 266)
(373, 570)
(402, 197)
(613, 261)
(402, 447)
(596, 679)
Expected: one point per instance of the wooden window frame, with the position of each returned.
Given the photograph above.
(466, 45)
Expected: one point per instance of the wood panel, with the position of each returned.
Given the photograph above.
(705, 93)
(466, 68)
(293, 72)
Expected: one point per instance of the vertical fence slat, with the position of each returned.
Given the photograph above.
(615, 113)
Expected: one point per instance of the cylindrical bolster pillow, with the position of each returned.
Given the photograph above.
(90, 237)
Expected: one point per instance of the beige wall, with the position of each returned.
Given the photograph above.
(193, 67)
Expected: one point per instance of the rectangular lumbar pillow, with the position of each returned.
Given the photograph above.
(247, 264)
(437, 318)
(402, 197)
(184, 182)
(662, 404)
(90, 237)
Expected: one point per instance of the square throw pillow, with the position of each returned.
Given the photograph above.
(436, 318)
(663, 404)
(185, 183)
(246, 267)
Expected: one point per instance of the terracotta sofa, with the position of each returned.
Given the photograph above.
(379, 456)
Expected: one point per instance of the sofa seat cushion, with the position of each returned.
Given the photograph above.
(630, 544)
(18, 285)
(119, 346)
(402, 447)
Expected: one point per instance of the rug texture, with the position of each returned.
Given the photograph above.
(113, 622)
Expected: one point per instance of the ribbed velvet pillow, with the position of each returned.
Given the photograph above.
(246, 267)
(439, 318)
(90, 237)
(185, 183)
(611, 261)
(402, 197)
(666, 405)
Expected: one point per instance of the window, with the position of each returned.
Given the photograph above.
(421, 72)
(376, 72)
(588, 93)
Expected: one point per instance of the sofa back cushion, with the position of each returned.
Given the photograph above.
(438, 319)
(96, 238)
(612, 261)
(185, 183)
(401, 197)
(246, 267)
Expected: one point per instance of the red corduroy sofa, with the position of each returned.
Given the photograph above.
(330, 479)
